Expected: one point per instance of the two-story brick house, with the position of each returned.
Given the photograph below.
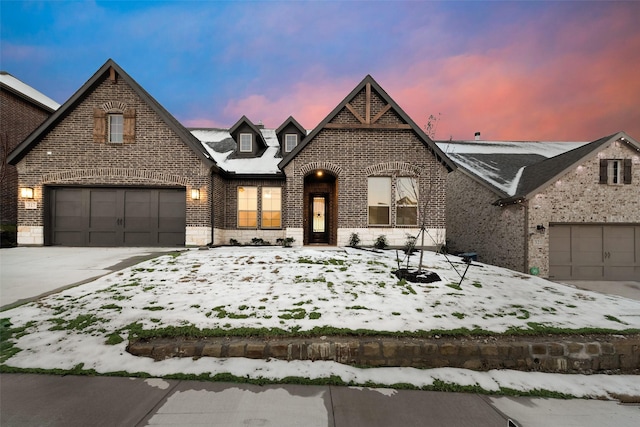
(112, 167)
(561, 210)
(22, 109)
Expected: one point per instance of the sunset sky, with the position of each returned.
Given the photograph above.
(512, 70)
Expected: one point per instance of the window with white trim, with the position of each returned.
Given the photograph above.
(271, 215)
(290, 142)
(116, 128)
(246, 143)
(406, 201)
(379, 200)
(615, 171)
(247, 207)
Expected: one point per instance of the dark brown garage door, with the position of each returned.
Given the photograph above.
(594, 252)
(116, 217)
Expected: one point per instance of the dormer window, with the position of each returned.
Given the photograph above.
(290, 142)
(246, 143)
(116, 128)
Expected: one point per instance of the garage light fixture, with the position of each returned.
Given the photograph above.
(26, 192)
(195, 194)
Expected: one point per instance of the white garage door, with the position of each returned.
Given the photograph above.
(594, 252)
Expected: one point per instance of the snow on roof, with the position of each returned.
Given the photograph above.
(220, 146)
(27, 91)
(502, 163)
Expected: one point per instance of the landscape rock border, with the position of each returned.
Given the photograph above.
(586, 354)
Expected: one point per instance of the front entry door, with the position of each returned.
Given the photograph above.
(319, 224)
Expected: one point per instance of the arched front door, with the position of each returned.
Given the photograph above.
(321, 213)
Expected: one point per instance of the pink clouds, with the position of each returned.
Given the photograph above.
(569, 77)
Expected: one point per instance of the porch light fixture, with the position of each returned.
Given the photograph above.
(319, 174)
(195, 194)
(26, 192)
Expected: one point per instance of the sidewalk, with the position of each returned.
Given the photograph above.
(39, 400)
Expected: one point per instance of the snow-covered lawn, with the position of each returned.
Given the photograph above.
(298, 290)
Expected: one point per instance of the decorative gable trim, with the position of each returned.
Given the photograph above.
(325, 166)
(401, 167)
(364, 120)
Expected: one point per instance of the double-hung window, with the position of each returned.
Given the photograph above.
(379, 200)
(116, 128)
(247, 207)
(406, 201)
(246, 143)
(290, 142)
(271, 207)
(615, 171)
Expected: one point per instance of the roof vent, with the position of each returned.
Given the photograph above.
(260, 125)
(477, 136)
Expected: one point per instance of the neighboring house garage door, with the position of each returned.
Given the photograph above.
(116, 216)
(594, 252)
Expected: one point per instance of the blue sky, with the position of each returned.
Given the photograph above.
(512, 70)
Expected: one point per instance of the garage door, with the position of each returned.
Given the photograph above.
(116, 217)
(594, 252)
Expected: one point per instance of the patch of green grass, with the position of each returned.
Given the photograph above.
(477, 284)
(114, 338)
(454, 286)
(458, 315)
(314, 315)
(111, 307)
(153, 308)
(614, 319)
(7, 333)
(294, 313)
(80, 323)
(357, 307)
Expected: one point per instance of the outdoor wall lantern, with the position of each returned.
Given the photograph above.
(540, 228)
(195, 194)
(26, 192)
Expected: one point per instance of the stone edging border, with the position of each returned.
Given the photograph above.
(566, 354)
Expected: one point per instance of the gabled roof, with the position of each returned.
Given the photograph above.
(78, 97)
(245, 121)
(541, 174)
(499, 164)
(26, 92)
(368, 80)
(290, 121)
(515, 170)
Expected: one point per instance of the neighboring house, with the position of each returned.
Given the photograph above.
(22, 109)
(112, 167)
(561, 210)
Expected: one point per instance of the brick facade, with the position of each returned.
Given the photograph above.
(352, 155)
(510, 236)
(577, 197)
(495, 233)
(18, 118)
(68, 155)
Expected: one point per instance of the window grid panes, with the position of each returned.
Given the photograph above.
(290, 141)
(116, 128)
(248, 207)
(614, 172)
(246, 140)
(406, 201)
(271, 207)
(379, 200)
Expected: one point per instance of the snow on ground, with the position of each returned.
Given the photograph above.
(299, 289)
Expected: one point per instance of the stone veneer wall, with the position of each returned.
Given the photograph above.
(68, 156)
(352, 155)
(566, 354)
(577, 197)
(495, 233)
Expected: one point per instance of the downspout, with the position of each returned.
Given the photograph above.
(212, 215)
(525, 205)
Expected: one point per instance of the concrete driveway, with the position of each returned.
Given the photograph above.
(28, 273)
